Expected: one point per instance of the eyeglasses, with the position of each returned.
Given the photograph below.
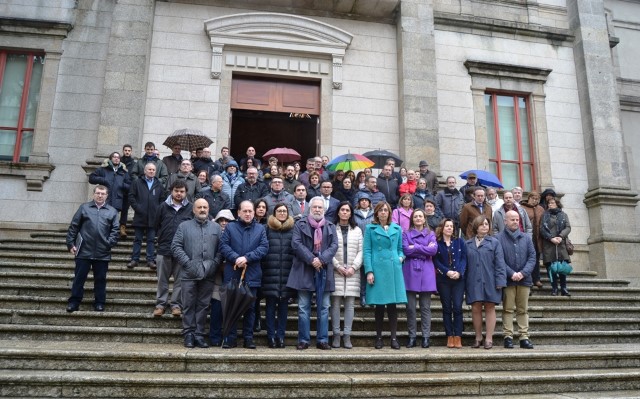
(281, 211)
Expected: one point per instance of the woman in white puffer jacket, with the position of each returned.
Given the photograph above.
(346, 269)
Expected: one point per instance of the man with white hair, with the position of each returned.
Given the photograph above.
(314, 244)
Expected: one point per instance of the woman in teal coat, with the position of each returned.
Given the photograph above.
(383, 256)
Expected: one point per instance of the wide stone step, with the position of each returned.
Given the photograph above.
(58, 248)
(132, 357)
(118, 384)
(147, 320)
(58, 257)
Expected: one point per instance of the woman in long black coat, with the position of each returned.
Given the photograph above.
(555, 229)
(275, 273)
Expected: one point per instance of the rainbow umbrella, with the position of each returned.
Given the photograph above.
(350, 162)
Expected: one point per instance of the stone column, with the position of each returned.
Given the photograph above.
(614, 240)
(417, 97)
(125, 80)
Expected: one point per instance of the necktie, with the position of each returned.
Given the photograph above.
(302, 207)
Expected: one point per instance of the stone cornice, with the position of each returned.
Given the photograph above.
(34, 173)
(494, 69)
(611, 196)
(34, 27)
(555, 35)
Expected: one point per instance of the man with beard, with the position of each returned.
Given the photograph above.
(137, 170)
(251, 189)
(175, 210)
(277, 195)
(388, 185)
(195, 248)
(174, 160)
(243, 245)
(450, 202)
(289, 181)
(499, 216)
(251, 154)
(114, 176)
(128, 160)
(217, 199)
(314, 244)
(190, 180)
(370, 191)
(493, 199)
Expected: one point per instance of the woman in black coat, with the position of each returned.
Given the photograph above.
(275, 273)
(555, 229)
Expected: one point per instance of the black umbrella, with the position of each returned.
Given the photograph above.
(380, 157)
(236, 298)
(189, 139)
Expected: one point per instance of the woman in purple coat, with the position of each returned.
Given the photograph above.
(419, 245)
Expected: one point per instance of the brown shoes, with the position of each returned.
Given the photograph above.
(123, 231)
(450, 342)
(159, 311)
(457, 342)
(176, 311)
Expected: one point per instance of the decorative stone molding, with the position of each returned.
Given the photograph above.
(277, 33)
(34, 173)
(290, 64)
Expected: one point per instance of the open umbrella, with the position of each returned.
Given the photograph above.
(189, 139)
(380, 157)
(283, 154)
(485, 178)
(236, 299)
(349, 162)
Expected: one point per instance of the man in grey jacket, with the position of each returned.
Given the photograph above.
(195, 247)
(520, 258)
(92, 233)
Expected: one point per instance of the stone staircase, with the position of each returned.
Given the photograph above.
(587, 345)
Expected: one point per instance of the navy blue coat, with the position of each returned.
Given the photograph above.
(145, 202)
(486, 271)
(167, 222)
(519, 256)
(459, 258)
(248, 240)
(118, 183)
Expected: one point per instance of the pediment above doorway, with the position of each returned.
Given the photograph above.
(277, 33)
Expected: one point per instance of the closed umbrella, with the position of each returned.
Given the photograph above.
(188, 139)
(485, 178)
(236, 298)
(380, 157)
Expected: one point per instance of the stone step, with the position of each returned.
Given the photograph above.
(61, 257)
(119, 384)
(59, 248)
(134, 357)
(360, 323)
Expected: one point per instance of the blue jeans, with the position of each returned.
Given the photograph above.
(451, 293)
(247, 323)
(304, 317)
(277, 317)
(137, 243)
(81, 272)
(215, 324)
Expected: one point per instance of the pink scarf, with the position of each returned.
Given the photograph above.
(317, 234)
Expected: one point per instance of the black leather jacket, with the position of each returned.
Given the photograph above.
(98, 228)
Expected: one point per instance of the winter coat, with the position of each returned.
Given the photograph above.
(554, 224)
(276, 266)
(535, 215)
(342, 194)
(450, 203)
(519, 256)
(195, 248)
(457, 262)
(248, 240)
(434, 220)
(402, 217)
(486, 272)
(229, 185)
(418, 269)
(363, 220)
(383, 257)
(145, 202)
(217, 200)
(193, 185)
(172, 163)
(408, 187)
(420, 197)
(118, 182)
(469, 197)
(375, 197)
(98, 229)
(250, 192)
(499, 218)
(137, 171)
(313, 191)
(167, 222)
(348, 286)
(289, 185)
(302, 272)
(389, 188)
(272, 199)
(469, 212)
(432, 180)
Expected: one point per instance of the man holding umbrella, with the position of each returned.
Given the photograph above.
(195, 248)
(314, 244)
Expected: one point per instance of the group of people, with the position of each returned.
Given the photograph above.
(332, 237)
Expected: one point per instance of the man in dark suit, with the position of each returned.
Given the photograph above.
(300, 206)
(331, 204)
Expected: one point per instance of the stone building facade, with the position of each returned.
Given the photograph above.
(416, 77)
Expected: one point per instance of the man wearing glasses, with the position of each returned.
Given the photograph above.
(277, 196)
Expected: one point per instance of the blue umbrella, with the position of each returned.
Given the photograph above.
(485, 178)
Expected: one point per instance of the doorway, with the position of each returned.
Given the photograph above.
(268, 113)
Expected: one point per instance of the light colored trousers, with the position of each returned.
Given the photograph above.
(515, 297)
(425, 313)
(168, 267)
(348, 313)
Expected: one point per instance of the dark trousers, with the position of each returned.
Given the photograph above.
(124, 212)
(392, 313)
(535, 274)
(196, 295)
(247, 323)
(215, 323)
(137, 243)
(81, 272)
(277, 312)
(451, 293)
